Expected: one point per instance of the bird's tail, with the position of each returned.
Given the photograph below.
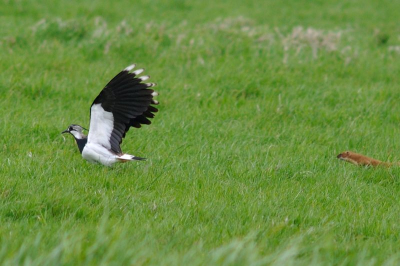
(127, 157)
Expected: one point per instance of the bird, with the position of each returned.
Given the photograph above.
(126, 101)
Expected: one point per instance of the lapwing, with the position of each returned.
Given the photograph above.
(123, 103)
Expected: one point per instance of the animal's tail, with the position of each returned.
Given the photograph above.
(127, 157)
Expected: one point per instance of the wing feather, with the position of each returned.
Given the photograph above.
(123, 103)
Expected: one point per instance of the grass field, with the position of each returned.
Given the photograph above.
(256, 100)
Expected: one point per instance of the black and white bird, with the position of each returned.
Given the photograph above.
(123, 103)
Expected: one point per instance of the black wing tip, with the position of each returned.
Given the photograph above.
(139, 158)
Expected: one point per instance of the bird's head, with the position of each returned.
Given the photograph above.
(76, 131)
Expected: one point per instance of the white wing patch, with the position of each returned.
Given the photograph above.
(101, 126)
(137, 72)
(129, 68)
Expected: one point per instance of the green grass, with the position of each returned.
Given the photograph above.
(257, 99)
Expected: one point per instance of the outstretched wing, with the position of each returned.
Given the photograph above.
(123, 103)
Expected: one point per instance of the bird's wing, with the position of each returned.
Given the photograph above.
(123, 103)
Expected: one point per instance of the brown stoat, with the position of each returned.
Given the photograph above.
(361, 160)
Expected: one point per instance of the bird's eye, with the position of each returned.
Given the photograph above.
(70, 128)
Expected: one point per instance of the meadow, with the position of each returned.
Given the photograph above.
(256, 100)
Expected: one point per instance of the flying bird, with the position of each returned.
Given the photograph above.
(123, 103)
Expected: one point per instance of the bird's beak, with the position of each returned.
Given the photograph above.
(65, 131)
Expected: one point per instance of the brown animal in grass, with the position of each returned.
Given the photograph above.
(361, 160)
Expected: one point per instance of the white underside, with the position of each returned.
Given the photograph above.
(95, 153)
(101, 126)
(97, 148)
